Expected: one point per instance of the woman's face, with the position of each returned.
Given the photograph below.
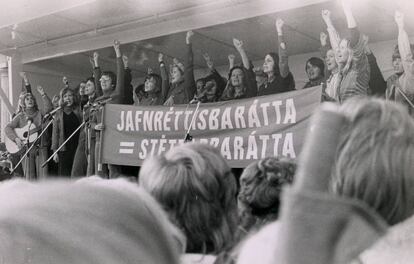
(82, 88)
(313, 72)
(211, 89)
(342, 52)
(330, 60)
(68, 98)
(29, 101)
(150, 84)
(268, 64)
(176, 75)
(89, 88)
(237, 77)
(397, 65)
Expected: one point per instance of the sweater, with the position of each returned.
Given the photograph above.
(183, 91)
(355, 81)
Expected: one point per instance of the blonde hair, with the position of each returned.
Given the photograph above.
(65, 222)
(195, 186)
(375, 158)
(65, 91)
(347, 66)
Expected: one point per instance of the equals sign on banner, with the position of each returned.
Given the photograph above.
(126, 147)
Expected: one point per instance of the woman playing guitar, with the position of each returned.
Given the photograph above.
(31, 113)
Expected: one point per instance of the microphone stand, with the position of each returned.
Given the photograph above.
(61, 146)
(27, 172)
(188, 137)
(33, 144)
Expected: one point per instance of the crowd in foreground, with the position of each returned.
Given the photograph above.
(348, 69)
(347, 199)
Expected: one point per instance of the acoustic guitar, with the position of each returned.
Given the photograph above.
(23, 134)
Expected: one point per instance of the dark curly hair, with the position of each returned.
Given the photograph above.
(260, 189)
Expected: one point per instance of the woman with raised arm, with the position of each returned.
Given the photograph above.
(66, 121)
(182, 87)
(402, 90)
(242, 81)
(31, 117)
(331, 85)
(113, 90)
(351, 58)
(83, 163)
(127, 82)
(276, 67)
(152, 88)
(213, 84)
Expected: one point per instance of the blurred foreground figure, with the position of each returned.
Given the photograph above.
(353, 180)
(102, 222)
(196, 187)
(260, 190)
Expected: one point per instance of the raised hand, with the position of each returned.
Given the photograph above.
(279, 26)
(40, 90)
(238, 44)
(323, 37)
(125, 60)
(326, 16)
(208, 60)
(150, 70)
(399, 19)
(95, 56)
(65, 81)
(189, 36)
(117, 48)
(160, 57)
(23, 75)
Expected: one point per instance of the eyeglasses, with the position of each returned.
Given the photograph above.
(104, 79)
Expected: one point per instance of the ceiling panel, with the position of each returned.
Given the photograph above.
(302, 29)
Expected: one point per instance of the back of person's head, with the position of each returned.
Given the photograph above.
(375, 158)
(195, 186)
(260, 190)
(88, 222)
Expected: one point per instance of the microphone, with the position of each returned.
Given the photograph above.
(101, 102)
(51, 113)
